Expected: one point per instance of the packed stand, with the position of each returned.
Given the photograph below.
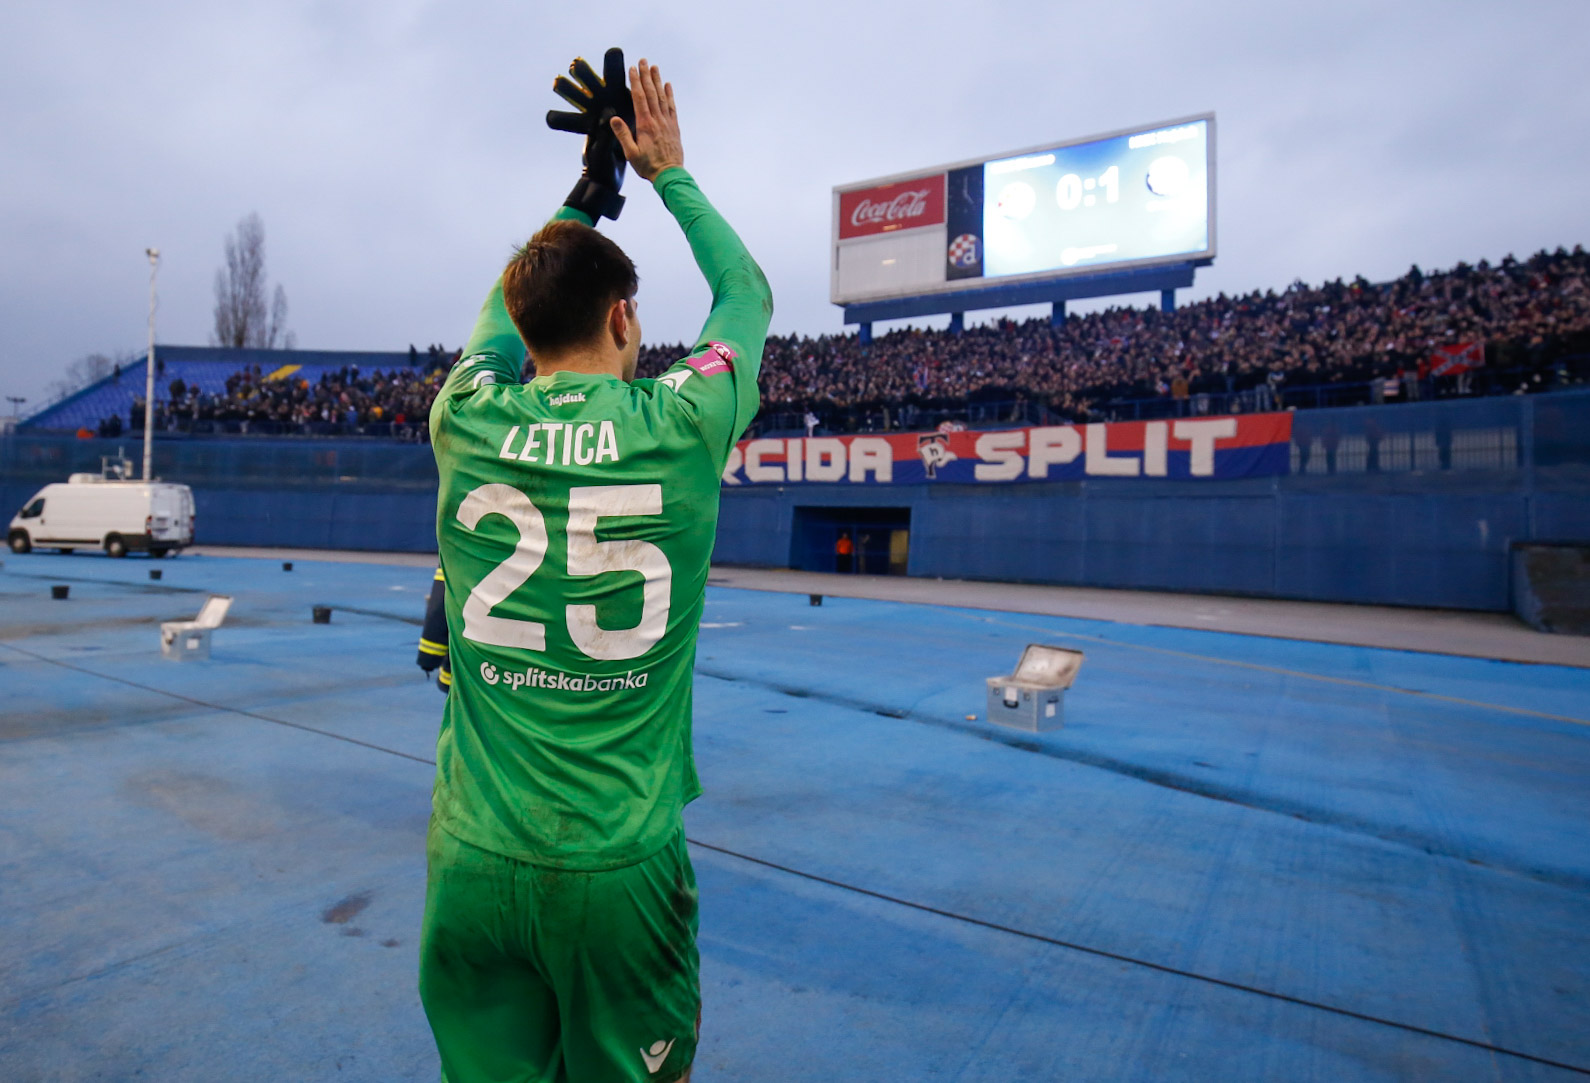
(393, 403)
(1483, 329)
(1512, 327)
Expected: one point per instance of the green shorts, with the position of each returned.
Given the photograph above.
(542, 975)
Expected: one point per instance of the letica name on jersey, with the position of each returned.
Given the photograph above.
(562, 443)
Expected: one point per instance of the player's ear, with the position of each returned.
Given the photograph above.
(618, 322)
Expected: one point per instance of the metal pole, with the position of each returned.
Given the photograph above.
(149, 371)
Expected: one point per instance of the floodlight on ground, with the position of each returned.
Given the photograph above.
(189, 640)
(1033, 697)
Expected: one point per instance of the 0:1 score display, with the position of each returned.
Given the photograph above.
(1072, 191)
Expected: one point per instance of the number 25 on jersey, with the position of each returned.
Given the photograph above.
(587, 557)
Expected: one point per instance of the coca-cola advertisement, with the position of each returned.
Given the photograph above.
(907, 205)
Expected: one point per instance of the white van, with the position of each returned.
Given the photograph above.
(93, 512)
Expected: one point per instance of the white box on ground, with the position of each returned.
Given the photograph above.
(189, 640)
(1033, 697)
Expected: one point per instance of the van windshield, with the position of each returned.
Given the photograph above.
(34, 510)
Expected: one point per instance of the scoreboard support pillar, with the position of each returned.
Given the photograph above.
(1057, 315)
(1167, 300)
(864, 333)
(957, 322)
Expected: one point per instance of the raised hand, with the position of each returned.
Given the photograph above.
(598, 100)
(654, 144)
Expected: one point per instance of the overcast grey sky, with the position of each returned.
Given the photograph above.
(396, 150)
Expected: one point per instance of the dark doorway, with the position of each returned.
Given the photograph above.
(862, 541)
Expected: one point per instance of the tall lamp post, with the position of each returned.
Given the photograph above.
(149, 371)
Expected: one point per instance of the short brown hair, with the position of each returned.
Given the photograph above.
(560, 285)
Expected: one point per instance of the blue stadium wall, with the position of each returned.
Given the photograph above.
(322, 494)
(1418, 504)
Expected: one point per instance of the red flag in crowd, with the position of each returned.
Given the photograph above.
(1453, 359)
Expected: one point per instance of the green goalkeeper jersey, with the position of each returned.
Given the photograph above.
(575, 522)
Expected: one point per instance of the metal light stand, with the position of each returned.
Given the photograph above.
(149, 370)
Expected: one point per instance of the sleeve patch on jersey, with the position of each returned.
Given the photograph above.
(479, 379)
(716, 360)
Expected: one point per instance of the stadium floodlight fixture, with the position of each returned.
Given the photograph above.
(149, 370)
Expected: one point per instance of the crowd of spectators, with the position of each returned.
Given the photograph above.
(1252, 351)
(1524, 314)
(394, 402)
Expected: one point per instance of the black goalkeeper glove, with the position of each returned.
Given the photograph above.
(598, 101)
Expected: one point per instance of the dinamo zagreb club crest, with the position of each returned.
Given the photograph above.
(964, 251)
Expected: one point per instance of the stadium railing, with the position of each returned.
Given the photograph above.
(405, 432)
(1566, 373)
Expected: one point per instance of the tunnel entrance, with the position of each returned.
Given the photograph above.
(860, 541)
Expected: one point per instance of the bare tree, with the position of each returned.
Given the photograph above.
(86, 371)
(241, 317)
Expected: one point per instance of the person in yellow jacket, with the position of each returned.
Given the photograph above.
(433, 637)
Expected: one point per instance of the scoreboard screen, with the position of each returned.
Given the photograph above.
(1128, 199)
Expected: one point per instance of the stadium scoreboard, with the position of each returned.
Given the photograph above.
(1124, 200)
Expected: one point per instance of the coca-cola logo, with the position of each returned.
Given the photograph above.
(907, 204)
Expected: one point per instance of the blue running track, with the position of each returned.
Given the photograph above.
(1242, 858)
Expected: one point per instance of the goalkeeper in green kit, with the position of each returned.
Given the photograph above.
(575, 524)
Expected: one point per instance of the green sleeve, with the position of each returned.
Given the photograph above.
(494, 345)
(742, 307)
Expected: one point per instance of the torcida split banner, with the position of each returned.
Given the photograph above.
(1246, 446)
